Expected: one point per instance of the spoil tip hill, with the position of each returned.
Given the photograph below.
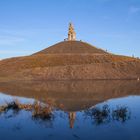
(70, 60)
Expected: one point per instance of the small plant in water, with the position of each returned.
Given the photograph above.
(99, 115)
(41, 112)
(104, 114)
(121, 114)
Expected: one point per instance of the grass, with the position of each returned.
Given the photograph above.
(61, 60)
(105, 114)
(11, 66)
(38, 110)
(121, 114)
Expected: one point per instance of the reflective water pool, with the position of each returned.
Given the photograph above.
(80, 110)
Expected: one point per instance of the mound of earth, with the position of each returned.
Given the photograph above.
(72, 47)
(70, 60)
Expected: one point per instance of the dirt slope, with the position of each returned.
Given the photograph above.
(70, 60)
(71, 47)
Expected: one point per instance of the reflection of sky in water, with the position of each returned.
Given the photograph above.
(4, 98)
(133, 101)
(23, 127)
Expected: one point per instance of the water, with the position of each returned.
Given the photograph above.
(81, 110)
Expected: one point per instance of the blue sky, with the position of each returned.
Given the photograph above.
(27, 26)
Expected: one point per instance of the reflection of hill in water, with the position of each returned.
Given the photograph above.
(72, 95)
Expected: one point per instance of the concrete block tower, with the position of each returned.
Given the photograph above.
(71, 33)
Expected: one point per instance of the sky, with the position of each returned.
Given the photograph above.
(28, 26)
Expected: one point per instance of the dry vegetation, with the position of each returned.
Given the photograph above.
(70, 60)
(38, 110)
(99, 115)
(105, 114)
(73, 47)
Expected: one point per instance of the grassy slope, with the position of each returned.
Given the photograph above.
(9, 67)
(72, 47)
(70, 60)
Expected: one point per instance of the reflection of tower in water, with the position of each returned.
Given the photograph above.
(72, 116)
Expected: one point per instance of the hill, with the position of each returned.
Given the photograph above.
(72, 47)
(70, 60)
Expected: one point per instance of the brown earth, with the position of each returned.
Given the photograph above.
(71, 47)
(70, 60)
(72, 95)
